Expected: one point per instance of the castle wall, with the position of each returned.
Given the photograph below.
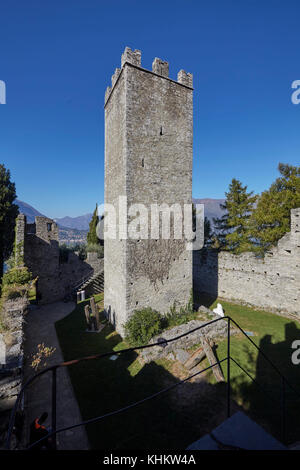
(39, 245)
(41, 256)
(149, 139)
(272, 283)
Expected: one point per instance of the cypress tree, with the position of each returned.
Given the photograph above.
(8, 214)
(92, 238)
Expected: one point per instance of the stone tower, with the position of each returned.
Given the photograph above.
(148, 159)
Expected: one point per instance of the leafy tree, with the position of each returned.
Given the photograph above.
(272, 217)
(232, 229)
(92, 238)
(8, 214)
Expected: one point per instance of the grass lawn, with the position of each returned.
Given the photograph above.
(178, 418)
(274, 335)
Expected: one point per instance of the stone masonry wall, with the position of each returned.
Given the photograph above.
(272, 283)
(11, 371)
(148, 159)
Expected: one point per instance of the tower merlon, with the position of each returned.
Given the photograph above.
(160, 67)
(115, 76)
(133, 57)
(185, 78)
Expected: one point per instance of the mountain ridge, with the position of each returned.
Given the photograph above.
(81, 223)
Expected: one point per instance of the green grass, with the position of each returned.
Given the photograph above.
(104, 385)
(274, 335)
(178, 418)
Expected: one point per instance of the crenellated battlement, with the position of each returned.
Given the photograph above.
(131, 57)
(159, 67)
(185, 78)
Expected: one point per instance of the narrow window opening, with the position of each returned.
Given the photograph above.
(161, 132)
(143, 163)
(49, 227)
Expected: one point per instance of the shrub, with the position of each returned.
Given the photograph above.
(82, 252)
(14, 292)
(16, 276)
(178, 317)
(95, 248)
(64, 253)
(142, 326)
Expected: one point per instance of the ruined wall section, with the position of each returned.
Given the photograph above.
(41, 256)
(39, 245)
(271, 283)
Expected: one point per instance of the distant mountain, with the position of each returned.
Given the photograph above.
(81, 222)
(211, 207)
(28, 210)
(66, 234)
(69, 225)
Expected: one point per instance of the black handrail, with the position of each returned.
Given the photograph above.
(126, 350)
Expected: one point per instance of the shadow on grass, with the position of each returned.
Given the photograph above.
(171, 421)
(264, 403)
(178, 418)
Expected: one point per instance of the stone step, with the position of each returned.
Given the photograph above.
(238, 432)
(95, 285)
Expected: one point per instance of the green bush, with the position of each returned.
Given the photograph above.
(82, 252)
(142, 326)
(64, 252)
(95, 248)
(15, 284)
(14, 292)
(16, 276)
(178, 317)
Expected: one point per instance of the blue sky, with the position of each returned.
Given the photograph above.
(57, 58)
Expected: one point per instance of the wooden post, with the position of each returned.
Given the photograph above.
(93, 306)
(95, 312)
(87, 316)
(217, 371)
(98, 323)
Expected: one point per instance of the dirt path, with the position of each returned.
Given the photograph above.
(40, 328)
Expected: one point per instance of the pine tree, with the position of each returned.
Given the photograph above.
(207, 232)
(232, 229)
(8, 214)
(272, 217)
(92, 238)
(207, 227)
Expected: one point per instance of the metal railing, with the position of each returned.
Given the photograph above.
(228, 358)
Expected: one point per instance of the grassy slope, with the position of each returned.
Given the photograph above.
(104, 385)
(274, 335)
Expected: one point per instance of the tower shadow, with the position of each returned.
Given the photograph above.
(263, 398)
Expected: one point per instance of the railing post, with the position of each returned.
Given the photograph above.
(283, 411)
(228, 368)
(53, 413)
